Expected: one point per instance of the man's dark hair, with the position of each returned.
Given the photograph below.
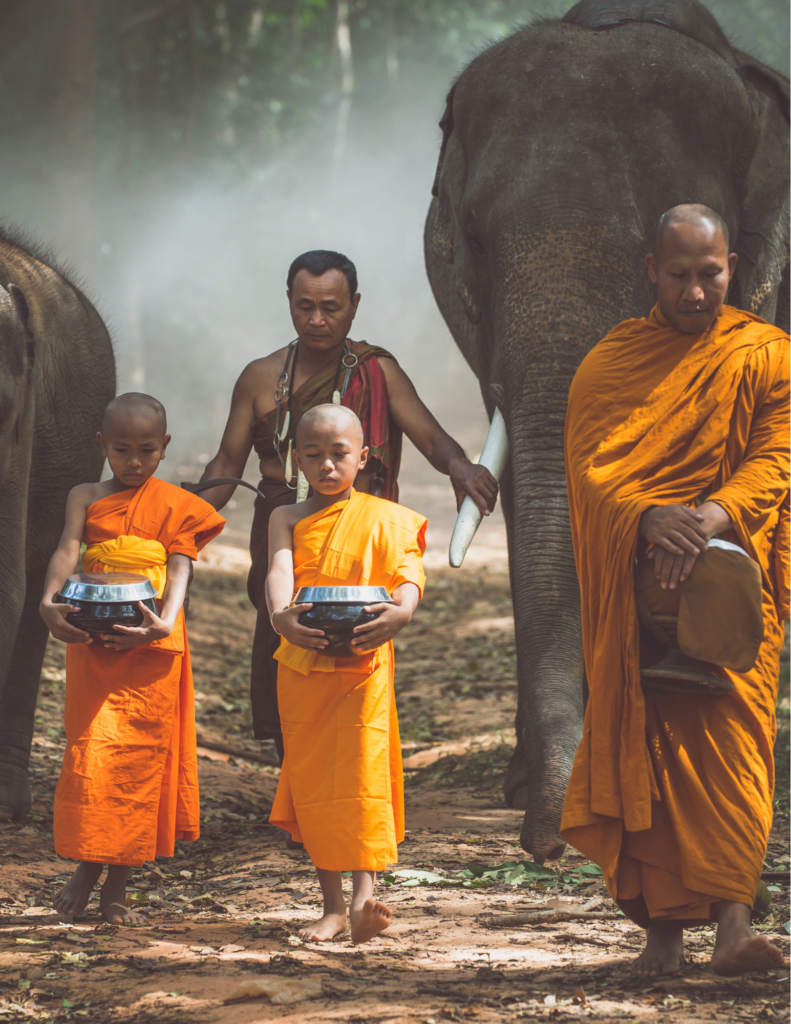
(319, 261)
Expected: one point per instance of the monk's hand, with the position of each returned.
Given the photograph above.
(468, 478)
(55, 617)
(679, 536)
(390, 620)
(123, 638)
(286, 622)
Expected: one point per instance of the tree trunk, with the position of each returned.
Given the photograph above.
(344, 44)
(80, 49)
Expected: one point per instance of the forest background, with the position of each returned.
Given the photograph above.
(179, 154)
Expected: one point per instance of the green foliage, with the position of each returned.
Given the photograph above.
(233, 80)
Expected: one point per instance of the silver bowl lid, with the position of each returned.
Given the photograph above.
(342, 595)
(108, 587)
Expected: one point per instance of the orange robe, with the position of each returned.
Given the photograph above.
(670, 794)
(128, 788)
(341, 788)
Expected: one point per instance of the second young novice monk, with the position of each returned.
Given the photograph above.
(128, 788)
(341, 785)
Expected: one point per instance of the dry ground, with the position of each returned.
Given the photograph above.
(228, 907)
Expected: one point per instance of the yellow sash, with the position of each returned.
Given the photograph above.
(134, 554)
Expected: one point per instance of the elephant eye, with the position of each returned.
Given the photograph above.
(475, 244)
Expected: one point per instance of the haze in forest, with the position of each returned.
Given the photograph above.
(180, 154)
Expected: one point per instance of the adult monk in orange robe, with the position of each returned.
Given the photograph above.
(129, 784)
(341, 784)
(671, 794)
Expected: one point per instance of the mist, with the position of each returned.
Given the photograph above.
(181, 223)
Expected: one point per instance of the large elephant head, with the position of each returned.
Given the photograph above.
(562, 146)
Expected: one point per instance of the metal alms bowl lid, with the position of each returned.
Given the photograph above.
(342, 595)
(108, 587)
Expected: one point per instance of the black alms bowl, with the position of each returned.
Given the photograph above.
(337, 610)
(105, 599)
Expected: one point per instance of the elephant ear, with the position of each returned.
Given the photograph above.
(22, 308)
(762, 244)
(447, 125)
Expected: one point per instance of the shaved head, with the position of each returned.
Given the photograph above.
(693, 215)
(134, 405)
(336, 417)
(691, 266)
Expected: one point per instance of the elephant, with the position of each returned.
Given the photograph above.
(562, 145)
(57, 374)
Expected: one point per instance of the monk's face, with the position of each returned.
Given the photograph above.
(134, 444)
(691, 271)
(322, 310)
(330, 454)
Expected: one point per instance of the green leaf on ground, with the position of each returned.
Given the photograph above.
(590, 869)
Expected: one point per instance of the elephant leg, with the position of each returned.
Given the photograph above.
(18, 704)
(515, 781)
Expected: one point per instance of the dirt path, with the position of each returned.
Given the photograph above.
(226, 909)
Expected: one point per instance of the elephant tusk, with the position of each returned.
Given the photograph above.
(494, 457)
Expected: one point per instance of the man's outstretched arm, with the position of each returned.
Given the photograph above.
(237, 441)
(444, 454)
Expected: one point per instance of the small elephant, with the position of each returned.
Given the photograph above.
(57, 374)
(562, 146)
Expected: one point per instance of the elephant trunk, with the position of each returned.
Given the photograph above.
(548, 632)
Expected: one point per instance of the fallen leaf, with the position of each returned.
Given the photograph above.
(230, 948)
(74, 937)
(279, 990)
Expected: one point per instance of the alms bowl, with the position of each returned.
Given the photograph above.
(105, 599)
(337, 610)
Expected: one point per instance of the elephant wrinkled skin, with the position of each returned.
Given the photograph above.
(57, 373)
(562, 146)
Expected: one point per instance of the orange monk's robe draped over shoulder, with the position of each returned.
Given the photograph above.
(128, 788)
(671, 794)
(341, 788)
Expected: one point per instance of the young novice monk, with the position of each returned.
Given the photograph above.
(341, 783)
(129, 784)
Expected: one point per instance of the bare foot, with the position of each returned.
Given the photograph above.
(73, 897)
(738, 949)
(373, 917)
(663, 948)
(112, 900)
(327, 927)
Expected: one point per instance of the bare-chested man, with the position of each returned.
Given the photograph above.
(270, 397)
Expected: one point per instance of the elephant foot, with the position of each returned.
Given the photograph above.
(15, 799)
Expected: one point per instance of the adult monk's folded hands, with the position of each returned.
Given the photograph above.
(679, 535)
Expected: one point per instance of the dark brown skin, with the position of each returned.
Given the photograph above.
(322, 311)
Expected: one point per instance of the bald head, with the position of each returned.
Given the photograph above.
(135, 405)
(701, 219)
(336, 419)
(691, 266)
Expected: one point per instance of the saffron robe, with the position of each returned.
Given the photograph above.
(672, 794)
(128, 787)
(341, 788)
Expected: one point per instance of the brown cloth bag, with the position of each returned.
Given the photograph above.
(720, 616)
